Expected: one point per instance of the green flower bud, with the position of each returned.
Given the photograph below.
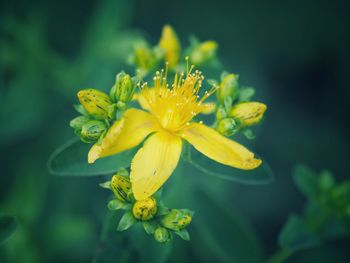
(121, 187)
(227, 126)
(176, 219)
(78, 122)
(145, 209)
(248, 113)
(162, 235)
(95, 102)
(221, 113)
(144, 58)
(204, 52)
(92, 130)
(228, 88)
(123, 89)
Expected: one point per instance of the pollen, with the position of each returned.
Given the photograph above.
(176, 106)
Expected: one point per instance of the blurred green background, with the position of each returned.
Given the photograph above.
(296, 54)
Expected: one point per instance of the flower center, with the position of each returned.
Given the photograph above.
(176, 106)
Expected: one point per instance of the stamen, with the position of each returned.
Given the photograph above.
(186, 58)
(175, 106)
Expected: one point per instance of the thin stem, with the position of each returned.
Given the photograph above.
(103, 234)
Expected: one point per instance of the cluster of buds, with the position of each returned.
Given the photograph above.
(235, 112)
(174, 221)
(146, 57)
(99, 109)
(157, 220)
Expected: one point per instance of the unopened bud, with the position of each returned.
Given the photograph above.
(95, 102)
(162, 235)
(123, 89)
(121, 187)
(92, 130)
(177, 219)
(204, 52)
(171, 45)
(227, 126)
(144, 58)
(228, 88)
(145, 209)
(248, 113)
(78, 122)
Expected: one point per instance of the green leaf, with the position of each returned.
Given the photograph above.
(307, 182)
(219, 235)
(246, 93)
(149, 226)
(126, 221)
(80, 109)
(162, 210)
(295, 235)
(261, 175)
(8, 226)
(71, 160)
(158, 194)
(326, 180)
(183, 234)
(116, 204)
(106, 185)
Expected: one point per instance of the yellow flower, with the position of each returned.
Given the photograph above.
(171, 45)
(168, 122)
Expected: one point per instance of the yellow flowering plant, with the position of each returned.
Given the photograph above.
(142, 127)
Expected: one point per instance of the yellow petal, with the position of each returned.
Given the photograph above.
(142, 100)
(219, 148)
(125, 134)
(154, 163)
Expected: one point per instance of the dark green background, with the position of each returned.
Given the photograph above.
(296, 54)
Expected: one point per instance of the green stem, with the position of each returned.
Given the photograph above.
(103, 234)
(280, 256)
